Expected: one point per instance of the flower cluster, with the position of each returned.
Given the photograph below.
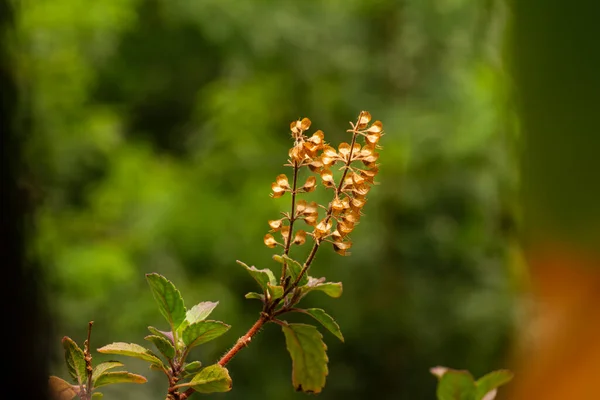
(350, 191)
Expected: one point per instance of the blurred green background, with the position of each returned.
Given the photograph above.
(158, 126)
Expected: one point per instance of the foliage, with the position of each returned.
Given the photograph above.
(86, 378)
(155, 124)
(460, 385)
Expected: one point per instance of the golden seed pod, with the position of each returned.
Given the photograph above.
(327, 177)
(344, 150)
(305, 124)
(269, 240)
(364, 119)
(323, 228)
(310, 184)
(342, 247)
(299, 238)
(275, 224)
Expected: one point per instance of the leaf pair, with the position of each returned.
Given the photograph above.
(188, 329)
(76, 365)
(460, 385)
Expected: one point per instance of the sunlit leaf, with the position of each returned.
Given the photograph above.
(309, 359)
(198, 313)
(212, 379)
(109, 378)
(131, 350)
(103, 367)
(275, 291)
(492, 381)
(168, 298)
(203, 331)
(254, 295)
(332, 289)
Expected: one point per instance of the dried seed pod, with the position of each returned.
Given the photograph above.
(309, 185)
(275, 224)
(299, 237)
(270, 241)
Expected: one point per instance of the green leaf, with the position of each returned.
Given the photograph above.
(103, 367)
(492, 381)
(212, 379)
(132, 350)
(61, 389)
(168, 298)
(198, 313)
(332, 289)
(167, 335)
(456, 385)
(294, 268)
(254, 295)
(275, 291)
(109, 378)
(97, 395)
(75, 360)
(203, 331)
(309, 360)
(163, 345)
(326, 320)
(262, 276)
(192, 367)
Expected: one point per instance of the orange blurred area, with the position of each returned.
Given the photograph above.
(559, 357)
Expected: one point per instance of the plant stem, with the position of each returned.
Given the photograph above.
(269, 312)
(88, 361)
(288, 242)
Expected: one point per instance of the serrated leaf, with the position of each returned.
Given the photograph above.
(309, 359)
(198, 313)
(275, 291)
(110, 378)
(75, 360)
(492, 381)
(254, 295)
(332, 289)
(326, 320)
(294, 268)
(131, 350)
(167, 335)
(103, 367)
(168, 298)
(203, 331)
(97, 395)
(212, 379)
(261, 276)
(61, 389)
(164, 346)
(456, 385)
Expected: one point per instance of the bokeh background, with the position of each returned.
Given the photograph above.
(157, 127)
